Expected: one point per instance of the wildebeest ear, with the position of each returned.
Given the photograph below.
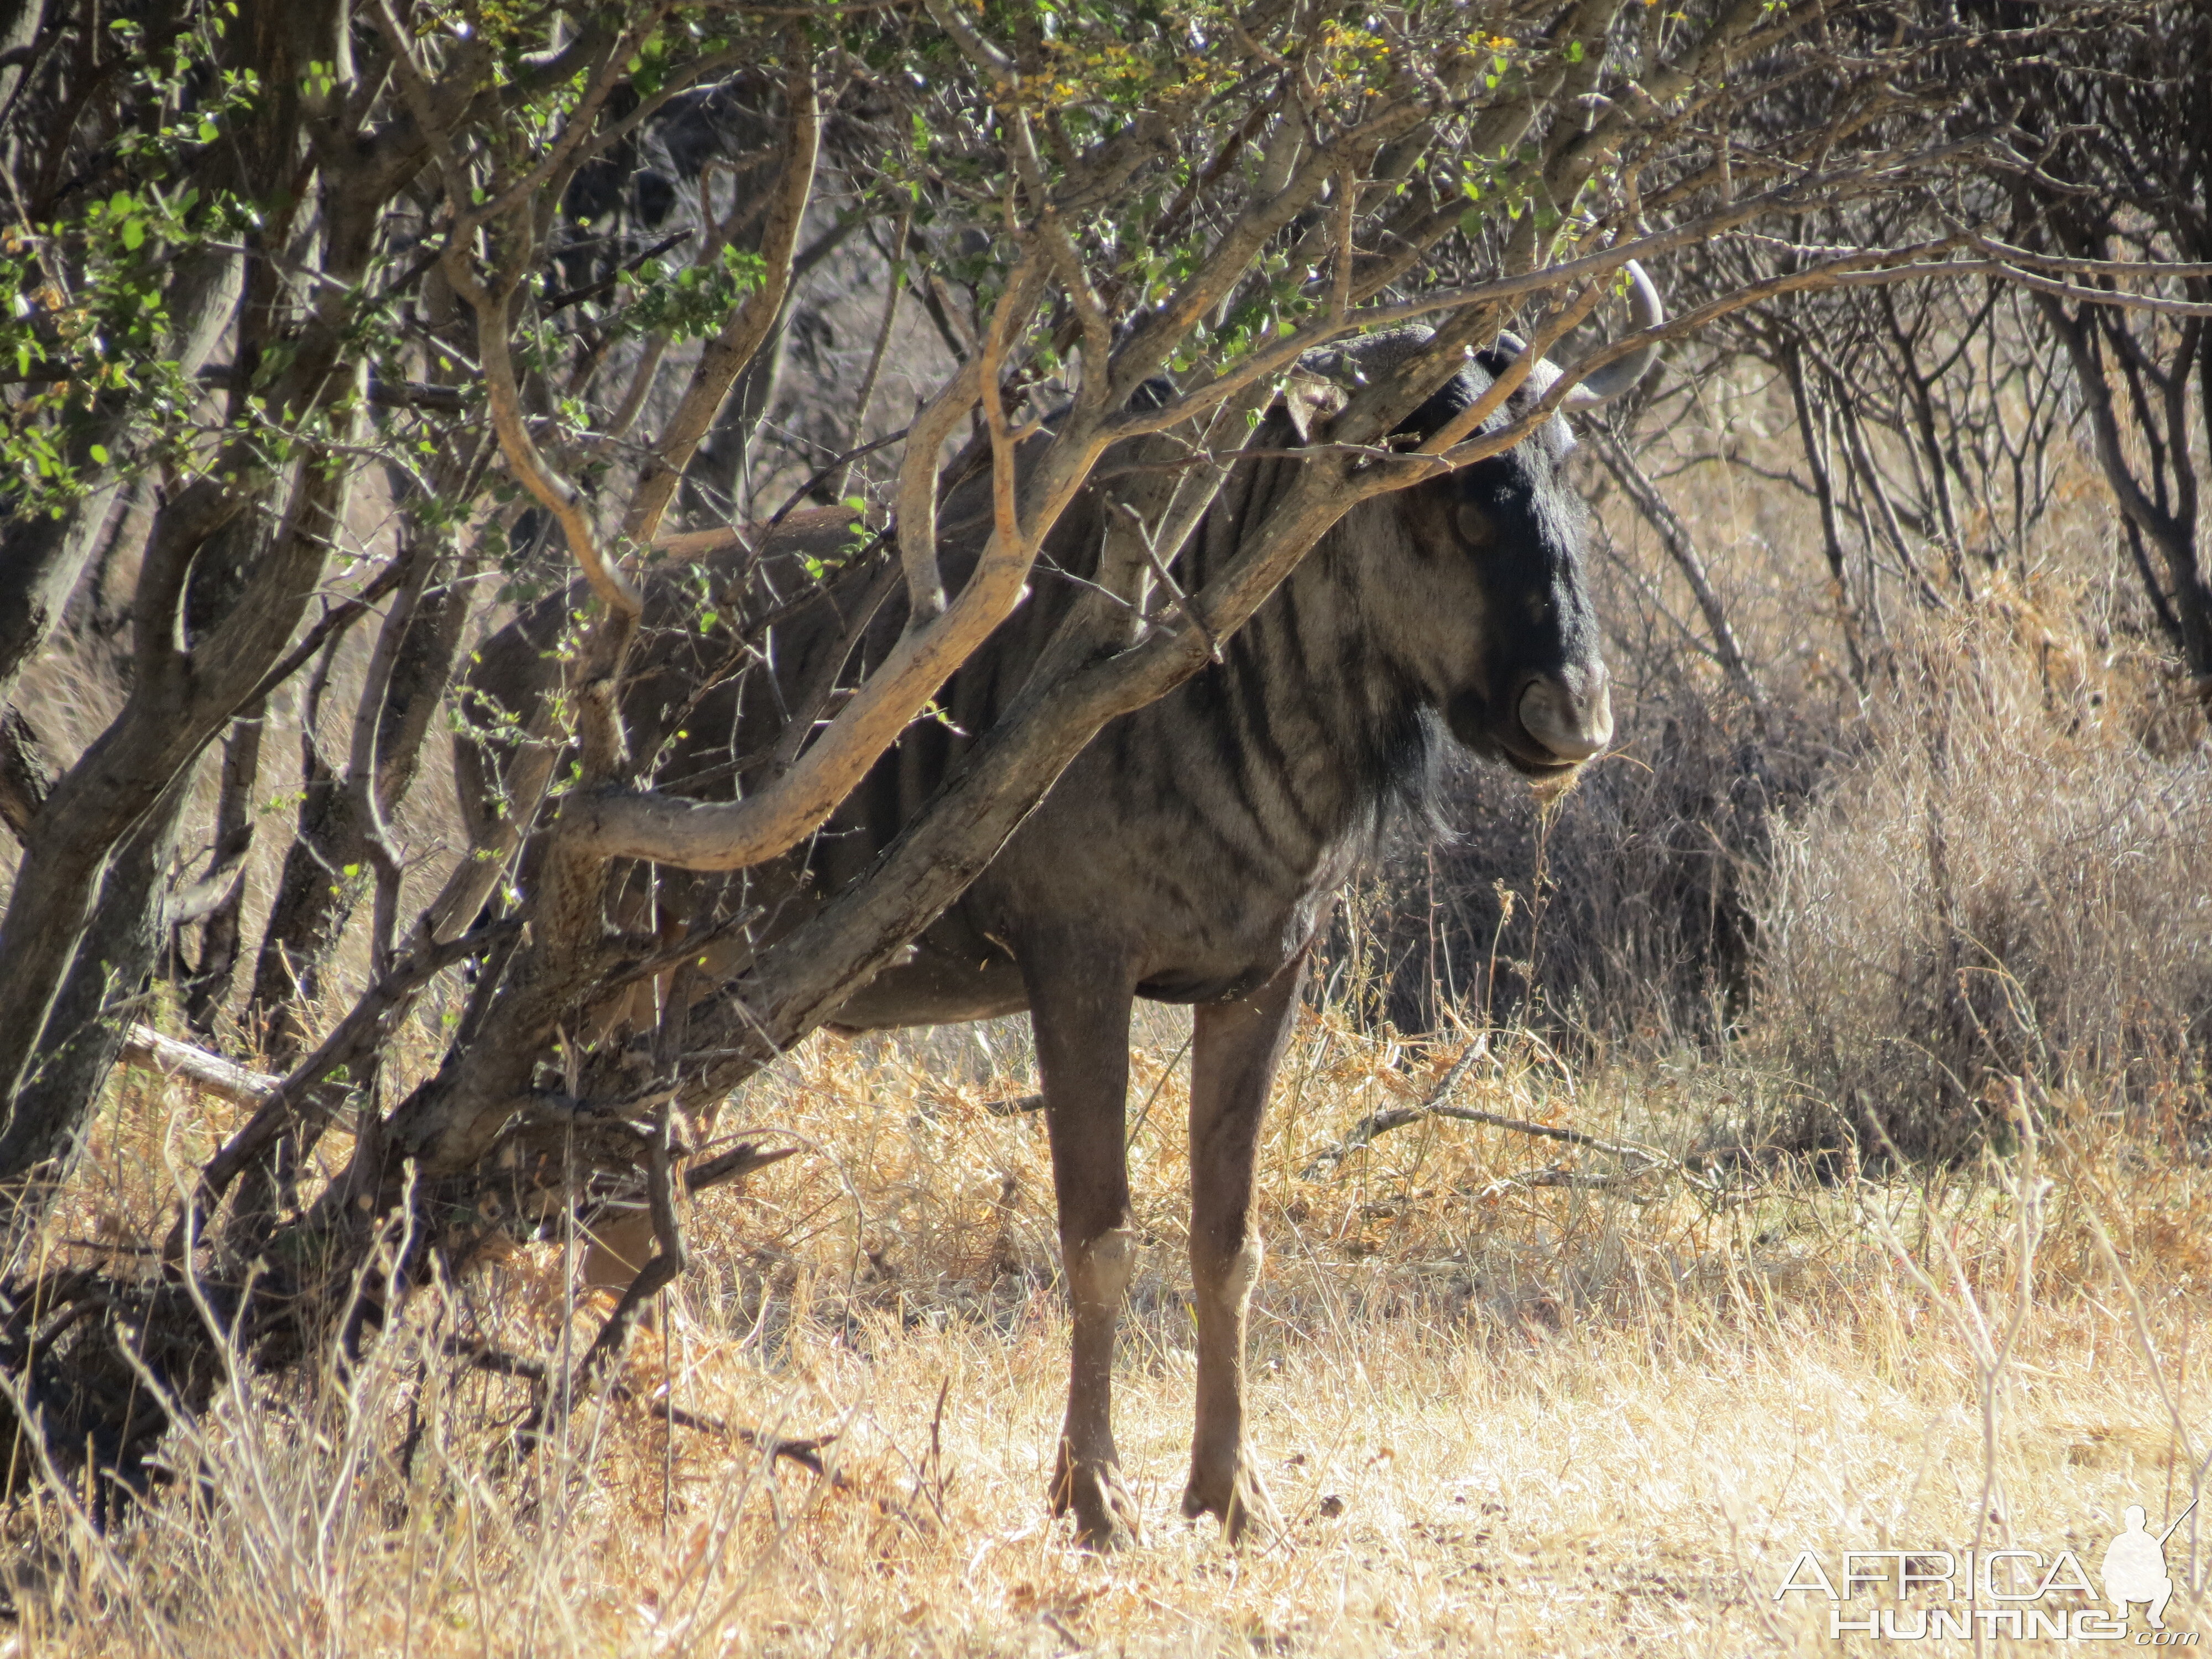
(1307, 399)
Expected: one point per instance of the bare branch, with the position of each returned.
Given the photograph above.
(727, 354)
(149, 1049)
(554, 491)
(917, 491)
(731, 836)
(1682, 548)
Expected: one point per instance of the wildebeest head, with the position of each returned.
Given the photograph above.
(1478, 581)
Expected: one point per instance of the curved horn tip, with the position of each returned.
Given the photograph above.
(1645, 310)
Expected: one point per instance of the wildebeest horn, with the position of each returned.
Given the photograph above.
(1603, 385)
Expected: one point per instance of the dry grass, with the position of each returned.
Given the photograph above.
(2037, 902)
(1499, 1416)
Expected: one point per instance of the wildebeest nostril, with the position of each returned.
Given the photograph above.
(1572, 725)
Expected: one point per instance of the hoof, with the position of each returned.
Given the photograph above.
(1230, 1489)
(1105, 1514)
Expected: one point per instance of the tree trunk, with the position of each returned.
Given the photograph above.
(315, 896)
(91, 1014)
(220, 895)
(26, 778)
(2172, 532)
(233, 560)
(42, 556)
(211, 544)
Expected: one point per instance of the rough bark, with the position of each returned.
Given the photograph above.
(27, 776)
(215, 901)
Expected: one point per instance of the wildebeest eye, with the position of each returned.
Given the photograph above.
(1475, 525)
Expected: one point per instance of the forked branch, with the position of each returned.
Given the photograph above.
(728, 352)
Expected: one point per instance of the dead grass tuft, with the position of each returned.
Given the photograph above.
(2005, 879)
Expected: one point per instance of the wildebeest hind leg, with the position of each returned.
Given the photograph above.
(1235, 1049)
(1080, 1002)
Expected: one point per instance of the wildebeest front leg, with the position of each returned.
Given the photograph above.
(1235, 1049)
(1080, 1006)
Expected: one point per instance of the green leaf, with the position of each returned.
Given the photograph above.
(134, 233)
(209, 133)
(99, 453)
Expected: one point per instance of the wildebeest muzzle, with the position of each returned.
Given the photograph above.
(1543, 722)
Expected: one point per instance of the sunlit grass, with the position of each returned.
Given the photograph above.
(1496, 1416)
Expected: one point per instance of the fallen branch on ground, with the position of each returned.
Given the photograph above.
(1555, 1174)
(807, 1454)
(1375, 1124)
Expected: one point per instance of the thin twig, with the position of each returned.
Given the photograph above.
(1397, 1117)
(852, 442)
(1146, 540)
(1378, 1123)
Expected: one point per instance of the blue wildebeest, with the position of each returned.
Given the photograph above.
(1190, 852)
